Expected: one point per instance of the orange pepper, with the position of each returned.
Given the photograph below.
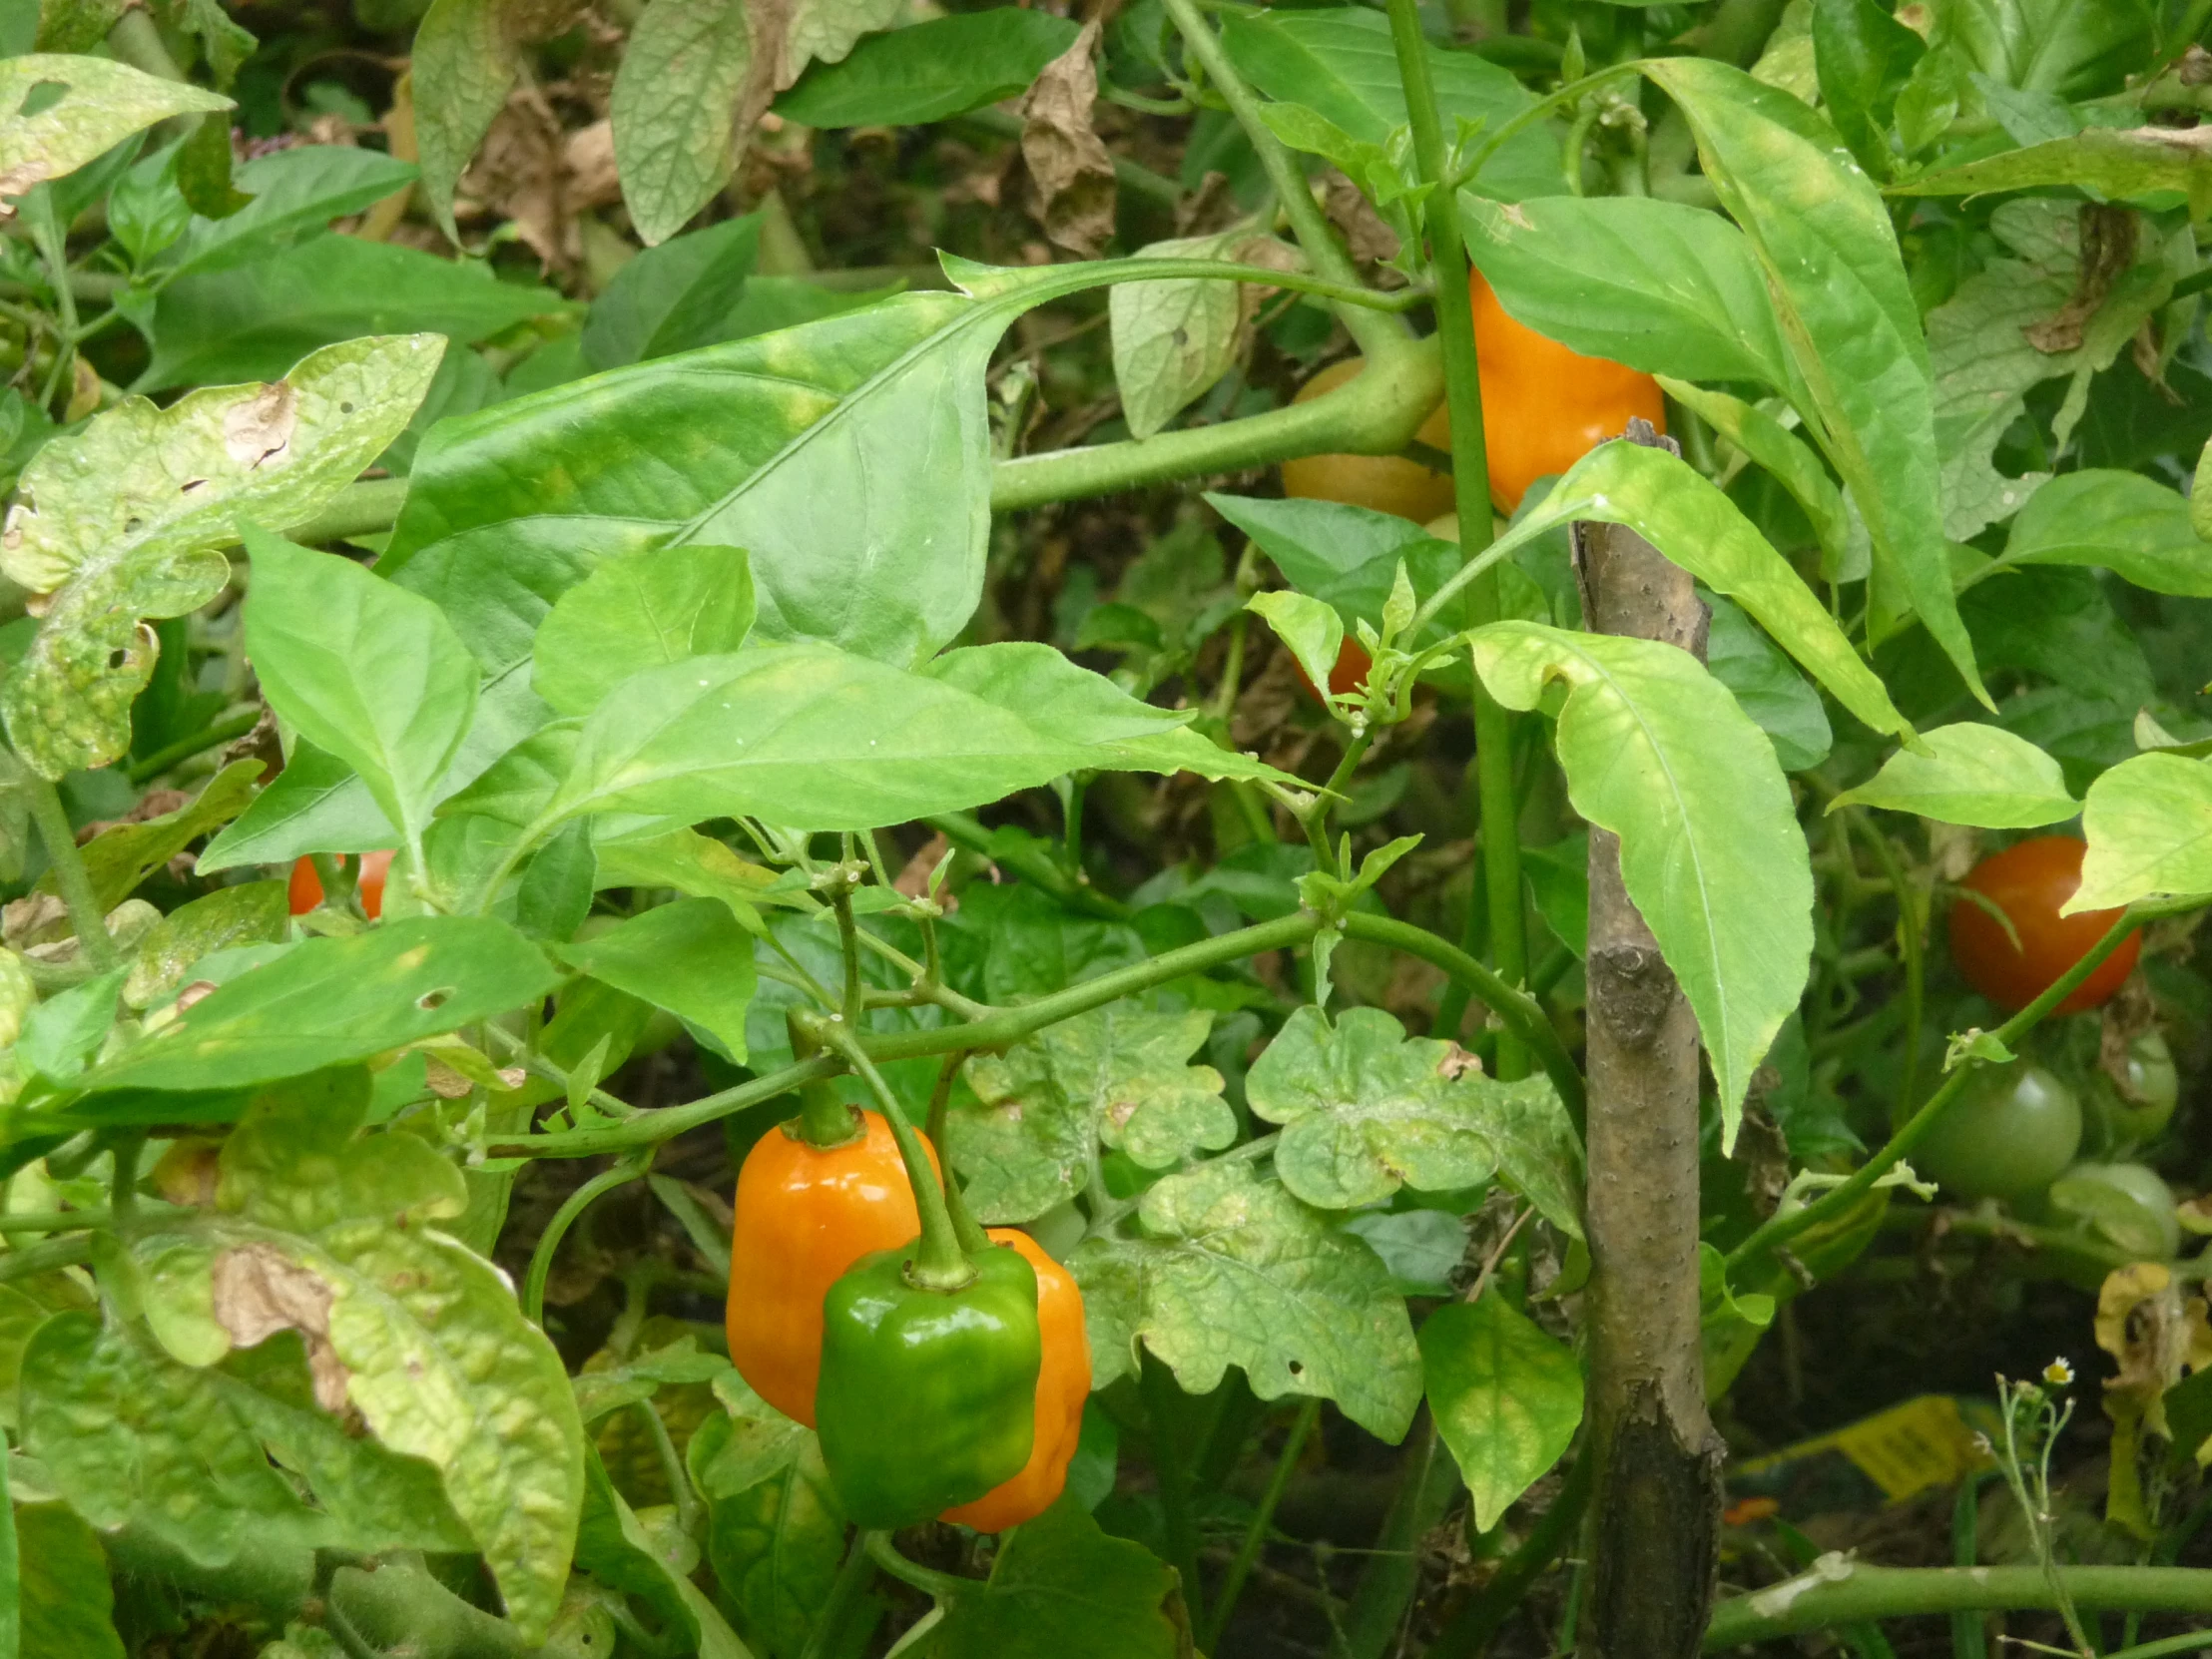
(1386, 483)
(1543, 406)
(304, 890)
(1063, 1385)
(805, 1214)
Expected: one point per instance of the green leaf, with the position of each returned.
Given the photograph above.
(689, 957)
(1864, 58)
(775, 1532)
(334, 1001)
(1062, 1585)
(925, 72)
(1172, 341)
(617, 1550)
(67, 1599)
(464, 67)
(119, 858)
(1675, 509)
(2121, 166)
(1711, 853)
(1231, 1270)
(1971, 774)
(1791, 461)
(1657, 285)
(693, 864)
(2148, 823)
(62, 1033)
(2133, 526)
(1340, 64)
(674, 298)
(1312, 630)
(1507, 1398)
(248, 321)
(296, 194)
(1345, 555)
(1838, 281)
(557, 885)
(122, 521)
(1367, 1109)
(368, 672)
(254, 912)
(639, 612)
(1766, 687)
(675, 109)
(94, 104)
(2050, 46)
(318, 803)
(1116, 1075)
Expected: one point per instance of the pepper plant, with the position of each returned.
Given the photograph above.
(524, 721)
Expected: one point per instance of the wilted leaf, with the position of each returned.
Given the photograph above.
(1071, 175)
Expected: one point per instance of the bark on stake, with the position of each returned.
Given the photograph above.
(1655, 1515)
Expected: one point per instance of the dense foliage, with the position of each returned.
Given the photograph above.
(833, 828)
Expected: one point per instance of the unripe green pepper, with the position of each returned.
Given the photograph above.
(927, 1398)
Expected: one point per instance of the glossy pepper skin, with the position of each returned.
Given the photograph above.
(1543, 406)
(2030, 881)
(927, 1398)
(304, 890)
(1063, 1388)
(805, 1214)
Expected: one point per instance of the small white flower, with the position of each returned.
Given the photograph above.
(2058, 1373)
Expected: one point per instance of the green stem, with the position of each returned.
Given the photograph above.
(1480, 1617)
(1858, 1593)
(582, 1199)
(851, 1580)
(2193, 1641)
(690, 1516)
(1255, 1534)
(123, 1192)
(69, 873)
(1779, 1229)
(1912, 942)
(940, 1262)
(825, 1120)
(58, 1221)
(1968, 1639)
(1497, 805)
(971, 1231)
(184, 748)
(927, 1581)
(34, 1259)
(848, 943)
(1171, 1461)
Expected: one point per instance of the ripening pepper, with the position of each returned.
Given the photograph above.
(805, 1214)
(927, 1396)
(1063, 1388)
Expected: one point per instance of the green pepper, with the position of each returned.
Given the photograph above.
(927, 1398)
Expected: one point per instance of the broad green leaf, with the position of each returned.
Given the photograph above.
(1340, 64)
(119, 858)
(62, 1033)
(1230, 1270)
(2145, 161)
(1683, 515)
(639, 612)
(64, 111)
(1507, 1398)
(1117, 1076)
(675, 109)
(689, 957)
(1837, 283)
(1657, 285)
(928, 71)
(1539, 1154)
(2148, 823)
(1367, 1109)
(2000, 336)
(1791, 461)
(122, 521)
(1656, 750)
(1033, 945)
(1311, 631)
(616, 1549)
(1971, 774)
(334, 1001)
(1767, 687)
(296, 194)
(1173, 340)
(253, 912)
(366, 671)
(2053, 46)
(674, 298)
(1062, 1585)
(693, 864)
(557, 885)
(1864, 58)
(318, 803)
(1423, 1248)
(463, 66)
(64, 1597)
(1345, 555)
(254, 319)
(775, 1532)
(2133, 526)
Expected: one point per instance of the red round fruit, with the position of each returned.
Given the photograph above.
(2028, 883)
(305, 890)
(1350, 674)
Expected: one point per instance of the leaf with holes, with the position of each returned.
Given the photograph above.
(122, 522)
(64, 111)
(1231, 1270)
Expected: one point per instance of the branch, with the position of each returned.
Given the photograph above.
(1837, 1591)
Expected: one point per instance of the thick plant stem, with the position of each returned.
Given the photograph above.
(1655, 1533)
(1498, 809)
(940, 1262)
(69, 873)
(825, 1120)
(1835, 1592)
(1779, 1229)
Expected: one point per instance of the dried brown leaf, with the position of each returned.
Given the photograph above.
(1071, 173)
